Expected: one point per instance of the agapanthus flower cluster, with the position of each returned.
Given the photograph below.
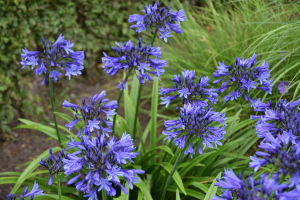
(103, 160)
(54, 163)
(34, 192)
(58, 55)
(136, 58)
(264, 189)
(244, 76)
(196, 122)
(283, 152)
(92, 113)
(188, 91)
(283, 119)
(162, 19)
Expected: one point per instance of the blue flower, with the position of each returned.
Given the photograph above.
(244, 76)
(283, 119)
(53, 163)
(195, 121)
(90, 113)
(137, 58)
(238, 188)
(34, 192)
(59, 56)
(283, 87)
(162, 19)
(190, 92)
(104, 161)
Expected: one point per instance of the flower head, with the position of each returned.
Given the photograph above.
(158, 18)
(238, 188)
(195, 121)
(53, 163)
(188, 91)
(283, 87)
(35, 191)
(244, 77)
(104, 161)
(283, 119)
(137, 58)
(59, 56)
(90, 112)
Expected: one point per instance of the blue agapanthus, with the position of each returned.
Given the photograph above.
(283, 152)
(143, 60)
(244, 76)
(188, 91)
(93, 113)
(58, 55)
(266, 188)
(34, 192)
(53, 163)
(283, 119)
(196, 122)
(104, 161)
(165, 20)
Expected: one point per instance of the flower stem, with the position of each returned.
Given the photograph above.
(58, 186)
(119, 99)
(104, 195)
(139, 96)
(177, 162)
(53, 108)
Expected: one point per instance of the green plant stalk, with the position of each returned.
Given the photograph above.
(58, 186)
(119, 99)
(139, 96)
(53, 108)
(104, 195)
(177, 162)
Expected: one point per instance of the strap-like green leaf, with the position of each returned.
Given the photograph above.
(212, 189)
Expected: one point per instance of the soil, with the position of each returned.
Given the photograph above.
(25, 144)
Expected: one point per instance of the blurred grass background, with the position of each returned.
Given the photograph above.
(214, 31)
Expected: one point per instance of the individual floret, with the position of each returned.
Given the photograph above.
(34, 192)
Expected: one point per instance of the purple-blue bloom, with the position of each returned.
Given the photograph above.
(34, 192)
(238, 188)
(283, 119)
(58, 55)
(90, 113)
(195, 121)
(142, 59)
(189, 91)
(244, 76)
(53, 163)
(162, 19)
(283, 87)
(104, 160)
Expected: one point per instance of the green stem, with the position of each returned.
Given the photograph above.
(177, 162)
(53, 108)
(136, 112)
(58, 186)
(104, 195)
(171, 174)
(139, 96)
(119, 99)
(222, 106)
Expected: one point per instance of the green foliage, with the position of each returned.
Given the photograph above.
(211, 34)
(91, 25)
